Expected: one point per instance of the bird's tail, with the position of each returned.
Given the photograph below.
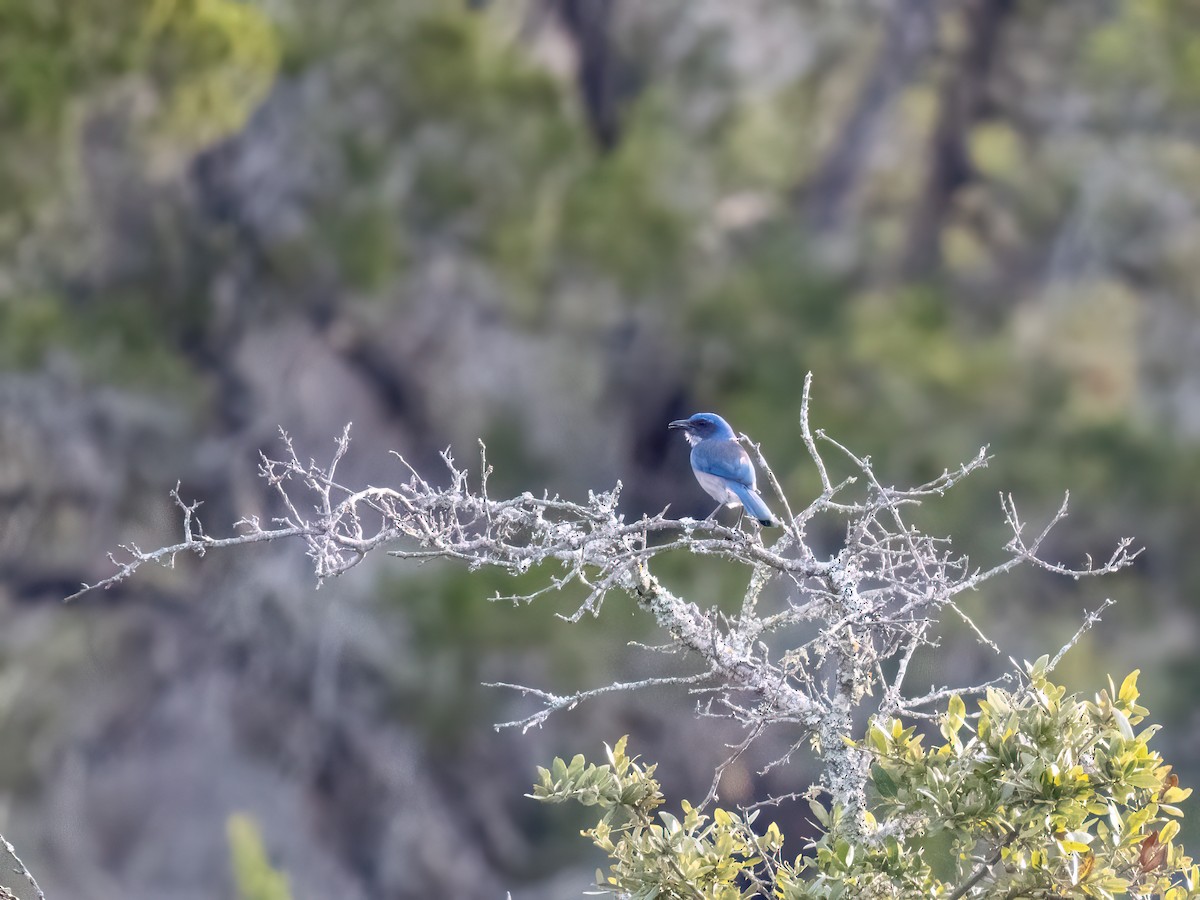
(754, 504)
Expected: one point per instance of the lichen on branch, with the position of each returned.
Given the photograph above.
(873, 602)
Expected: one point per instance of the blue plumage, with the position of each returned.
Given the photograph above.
(722, 466)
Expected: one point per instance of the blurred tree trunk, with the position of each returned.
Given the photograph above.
(588, 23)
(909, 31)
(963, 101)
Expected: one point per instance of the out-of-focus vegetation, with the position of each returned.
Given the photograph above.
(252, 872)
(556, 226)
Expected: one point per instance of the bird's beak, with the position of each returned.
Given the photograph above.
(679, 423)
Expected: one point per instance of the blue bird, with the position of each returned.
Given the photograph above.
(722, 466)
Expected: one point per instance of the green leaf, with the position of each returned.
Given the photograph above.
(956, 713)
(1037, 669)
(558, 770)
(877, 738)
(617, 753)
(1123, 724)
(822, 815)
(1129, 691)
(884, 783)
(1076, 841)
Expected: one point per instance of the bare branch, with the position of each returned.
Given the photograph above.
(1089, 620)
(554, 703)
(21, 869)
(809, 443)
(979, 635)
(755, 732)
(166, 555)
(984, 867)
(911, 706)
(789, 521)
(876, 600)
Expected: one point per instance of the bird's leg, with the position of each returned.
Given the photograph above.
(712, 516)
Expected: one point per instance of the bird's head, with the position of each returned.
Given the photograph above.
(702, 426)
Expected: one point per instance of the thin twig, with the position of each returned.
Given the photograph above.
(877, 600)
(809, 443)
(755, 732)
(983, 868)
(1089, 620)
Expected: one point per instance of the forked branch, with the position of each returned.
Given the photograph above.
(876, 598)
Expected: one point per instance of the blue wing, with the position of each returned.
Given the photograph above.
(725, 459)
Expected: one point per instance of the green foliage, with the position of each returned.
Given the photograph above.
(1117, 51)
(693, 857)
(213, 59)
(50, 51)
(115, 338)
(617, 218)
(1071, 799)
(28, 326)
(253, 875)
(161, 78)
(220, 57)
(1036, 793)
(206, 63)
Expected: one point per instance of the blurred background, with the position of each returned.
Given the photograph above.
(554, 225)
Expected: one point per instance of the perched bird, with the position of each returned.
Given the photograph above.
(722, 466)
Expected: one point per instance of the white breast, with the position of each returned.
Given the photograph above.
(715, 487)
